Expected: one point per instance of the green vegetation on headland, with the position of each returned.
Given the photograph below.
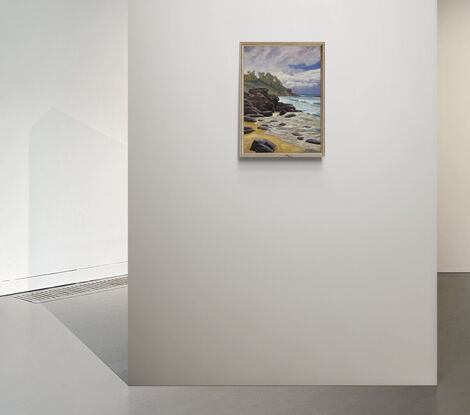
(265, 80)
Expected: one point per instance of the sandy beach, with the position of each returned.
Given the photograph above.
(281, 146)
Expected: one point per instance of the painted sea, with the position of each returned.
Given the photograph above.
(303, 130)
(306, 104)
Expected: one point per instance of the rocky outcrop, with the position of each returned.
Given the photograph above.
(247, 130)
(260, 101)
(289, 115)
(251, 80)
(263, 146)
(289, 92)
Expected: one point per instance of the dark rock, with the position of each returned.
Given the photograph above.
(261, 100)
(282, 112)
(296, 134)
(307, 126)
(263, 127)
(248, 119)
(312, 141)
(281, 106)
(289, 115)
(274, 99)
(262, 91)
(258, 100)
(267, 113)
(282, 124)
(263, 146)
(249, 110)
(300, 138)
(247, 130)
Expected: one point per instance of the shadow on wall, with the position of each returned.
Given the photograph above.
(77, 196)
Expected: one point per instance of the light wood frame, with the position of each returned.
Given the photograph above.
(242, 154)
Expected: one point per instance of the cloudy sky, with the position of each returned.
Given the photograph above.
(297, 67)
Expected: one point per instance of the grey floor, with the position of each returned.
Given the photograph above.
(99, 320)
(59, 357)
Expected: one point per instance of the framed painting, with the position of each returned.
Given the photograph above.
(282, 93)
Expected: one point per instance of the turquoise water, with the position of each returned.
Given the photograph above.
(308, 105)
(298, 129)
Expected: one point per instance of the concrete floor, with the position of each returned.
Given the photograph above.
(99, 320)
(453, 391)
(48, 367)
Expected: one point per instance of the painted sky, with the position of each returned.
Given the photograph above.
(297, 67)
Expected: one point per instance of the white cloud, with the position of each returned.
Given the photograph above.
(280, 58)
(288, 63)
(301, 80)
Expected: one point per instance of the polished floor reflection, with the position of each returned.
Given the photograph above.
(59, 357)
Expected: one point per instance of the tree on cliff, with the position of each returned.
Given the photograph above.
(265, 80)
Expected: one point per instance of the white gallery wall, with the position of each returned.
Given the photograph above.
(63, 141)
(261, 272)
(454, 136)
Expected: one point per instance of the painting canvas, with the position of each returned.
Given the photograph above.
(282, 99)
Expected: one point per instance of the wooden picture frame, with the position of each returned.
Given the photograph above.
(275, 140)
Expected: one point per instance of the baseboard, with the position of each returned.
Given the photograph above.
(55, 279)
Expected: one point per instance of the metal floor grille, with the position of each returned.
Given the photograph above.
(72, 290)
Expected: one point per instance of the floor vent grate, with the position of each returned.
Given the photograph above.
(72, 290)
